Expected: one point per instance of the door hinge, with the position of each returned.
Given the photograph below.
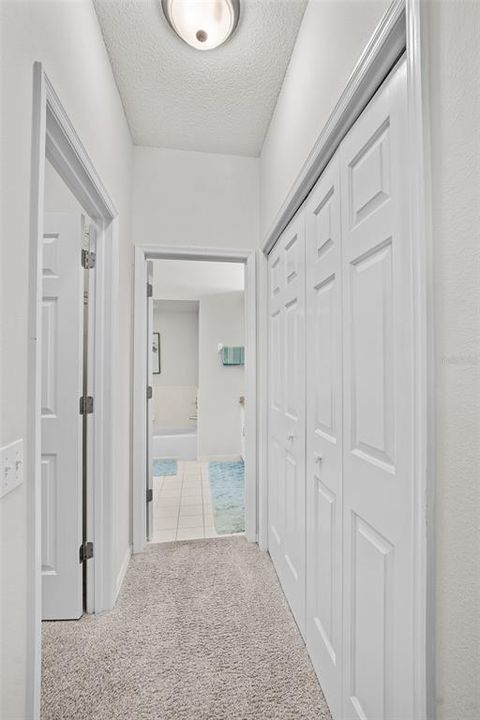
(85, 551)
(149, 290)
(88, 259)
(86, 405)
(149, 495)
(149, 392)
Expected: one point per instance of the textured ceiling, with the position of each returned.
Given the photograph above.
(216, 101)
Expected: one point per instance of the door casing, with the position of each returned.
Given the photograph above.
(55, 138)
(143, 253)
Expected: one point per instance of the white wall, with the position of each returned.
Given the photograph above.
(177, 323)
(192, 279)
(66, 37)
(331, 39)
(221, 320)
(453, 37)
(175, 389)
(193, 198)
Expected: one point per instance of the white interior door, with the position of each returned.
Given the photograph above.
(89, 246)
(378, 392)
(324, 433)
(62, 376)
(287, 414)
(149, 391)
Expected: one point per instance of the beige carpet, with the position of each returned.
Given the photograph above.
(201, 631)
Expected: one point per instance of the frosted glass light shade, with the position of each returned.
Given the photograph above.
(203, 24)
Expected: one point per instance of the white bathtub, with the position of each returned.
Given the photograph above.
(176, 443)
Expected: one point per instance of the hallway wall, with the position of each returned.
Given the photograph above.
(331, 39)
(194, 198)
(453, 29)
(65, 36)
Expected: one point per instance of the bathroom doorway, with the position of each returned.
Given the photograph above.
(199, 441)
(197, 356)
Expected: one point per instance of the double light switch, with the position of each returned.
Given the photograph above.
(11, 465)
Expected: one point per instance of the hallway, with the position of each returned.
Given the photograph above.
(240, 360)
(201, 631)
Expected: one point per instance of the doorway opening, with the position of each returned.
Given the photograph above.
(194, 428)
(196, 412)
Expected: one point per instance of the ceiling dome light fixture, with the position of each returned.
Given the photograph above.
(203, 24)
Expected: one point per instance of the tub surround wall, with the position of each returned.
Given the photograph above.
(174, 406)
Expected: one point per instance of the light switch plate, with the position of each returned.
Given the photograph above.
(11, 467)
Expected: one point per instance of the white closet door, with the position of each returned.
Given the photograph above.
(62, 376)
(287, 414)
(378, 389)
(324, 434)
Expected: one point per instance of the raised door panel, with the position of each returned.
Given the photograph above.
(323, 336)
(372, 361)
(294, 518)
(49, 356)
(276, 510)
(323, 569)
(370, 621)
(378, 413)
(324, 434)
(49, 494)
(294, 355)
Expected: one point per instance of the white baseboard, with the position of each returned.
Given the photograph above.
(122, 572)
(219, 458)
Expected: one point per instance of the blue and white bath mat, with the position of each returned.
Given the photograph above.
(164, 466)
(227, 485)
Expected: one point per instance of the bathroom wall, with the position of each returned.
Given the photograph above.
(221, 320)
(175, 388)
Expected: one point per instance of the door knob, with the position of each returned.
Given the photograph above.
(317, 457)
(290, 435)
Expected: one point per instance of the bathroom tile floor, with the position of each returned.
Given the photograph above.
(182, 504)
